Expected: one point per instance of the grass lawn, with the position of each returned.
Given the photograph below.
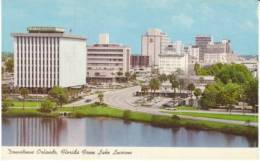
(27, 112)
(26, 104)
(220, 116)
(186, 108)
(92, 110)
(107, 111)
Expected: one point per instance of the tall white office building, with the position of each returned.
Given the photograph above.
(154, 41)
(46, 57)
(173, 59)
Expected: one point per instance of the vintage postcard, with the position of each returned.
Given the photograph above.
(129, 79)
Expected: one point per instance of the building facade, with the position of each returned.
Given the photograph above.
(46, 57)
(202, 42)
(139, 61)
(106, 61)
(154, 41)
(172, 60)
(218, 52)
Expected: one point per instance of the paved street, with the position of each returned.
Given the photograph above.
(124, 99)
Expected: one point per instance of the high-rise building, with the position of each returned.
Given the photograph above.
(154, 41)
(218, 52)
(107, 61)
(46, 57)
(202, 42)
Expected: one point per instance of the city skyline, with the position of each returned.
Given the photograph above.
(126, 21)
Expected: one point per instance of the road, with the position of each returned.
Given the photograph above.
(124, 99)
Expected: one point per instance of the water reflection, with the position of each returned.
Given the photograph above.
(109, 132)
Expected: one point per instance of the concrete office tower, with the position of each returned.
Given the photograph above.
(46, 57)
(202, 42)
(104, 38)
(154, 41)
(107, 62)
(171, 60)
(218, 52)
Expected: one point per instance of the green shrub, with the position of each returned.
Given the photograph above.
(6, 104)
(46, 106)
(175, 117)
(126, 114)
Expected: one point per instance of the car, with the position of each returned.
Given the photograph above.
(88, 100)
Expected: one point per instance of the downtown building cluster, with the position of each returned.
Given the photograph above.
(47, 56)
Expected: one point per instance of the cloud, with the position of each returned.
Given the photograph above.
(182, 20)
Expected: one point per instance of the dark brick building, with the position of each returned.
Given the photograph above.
(139, 61)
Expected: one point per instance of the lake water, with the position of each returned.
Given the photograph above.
(109, 132)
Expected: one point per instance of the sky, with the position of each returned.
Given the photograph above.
(127, 20)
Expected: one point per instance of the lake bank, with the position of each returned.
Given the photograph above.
(156, 120)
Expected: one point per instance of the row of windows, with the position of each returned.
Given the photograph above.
(105, 59)
(107, 55)
(106, 50)
(39, 47)
(104, 68)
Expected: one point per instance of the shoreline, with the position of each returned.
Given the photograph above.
(127, 115)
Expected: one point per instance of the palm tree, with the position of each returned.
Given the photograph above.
(163, 77)
(175, 84)
(100, 97)
(197, 93)
(144, 89)
(24, 92)
(154, 84)
(191, 88)
(181, 84)
(127, 75)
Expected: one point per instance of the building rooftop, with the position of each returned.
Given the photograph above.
(47, 32)
(40, 29)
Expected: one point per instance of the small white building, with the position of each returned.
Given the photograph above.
(46, 57)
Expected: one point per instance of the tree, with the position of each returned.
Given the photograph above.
(46, 106)
(127, 75)
(24, 92)
(175, 84)
(209, 98)
(163, 77)
(59, 95)
(229, 95)
(196, 68)
(181, 84)
(154, 84)
(6, 104)
(220, 94)
(133, 76)
(9, 64)
(251, 93)
(191, 88)
(144, 89)
(197, 93)
(100, 97)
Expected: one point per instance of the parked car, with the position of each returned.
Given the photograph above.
(88, 100)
